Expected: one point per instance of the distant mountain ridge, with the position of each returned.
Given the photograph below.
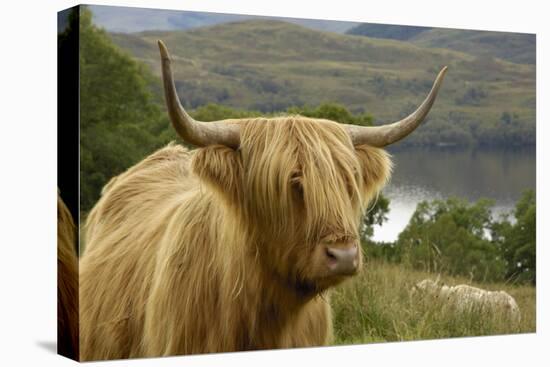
(269, 66)
(131, 20)
(389, 31)
(514, 47)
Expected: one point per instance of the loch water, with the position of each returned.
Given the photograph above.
(500, 174)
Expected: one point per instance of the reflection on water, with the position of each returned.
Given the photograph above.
(427, 174)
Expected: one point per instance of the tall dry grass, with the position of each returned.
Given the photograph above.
(378, 306)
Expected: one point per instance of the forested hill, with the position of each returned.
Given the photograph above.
(269, 66)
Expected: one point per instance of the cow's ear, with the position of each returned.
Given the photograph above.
(377, 166)
(219, 167)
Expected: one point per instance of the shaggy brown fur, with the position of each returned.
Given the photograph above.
(216, 249)
(67, 283)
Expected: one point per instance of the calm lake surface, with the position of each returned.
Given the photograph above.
(470, 173)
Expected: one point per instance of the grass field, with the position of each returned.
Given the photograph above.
(377, 306)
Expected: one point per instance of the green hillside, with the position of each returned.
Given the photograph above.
(271, 65)
(514, 47)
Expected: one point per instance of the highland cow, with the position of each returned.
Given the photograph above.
(234, 245)
(67, 283)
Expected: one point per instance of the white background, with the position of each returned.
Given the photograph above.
(28, 181)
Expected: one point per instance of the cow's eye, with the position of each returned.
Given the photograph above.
(298, 187)
(296, 183)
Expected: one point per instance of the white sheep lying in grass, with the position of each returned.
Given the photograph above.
(466, 298)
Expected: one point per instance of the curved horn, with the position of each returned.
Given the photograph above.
(191, 131)
(381, 136)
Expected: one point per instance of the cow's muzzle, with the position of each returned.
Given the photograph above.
(342, 260)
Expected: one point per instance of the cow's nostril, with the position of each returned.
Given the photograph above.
(342, 260)
(330, 254)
